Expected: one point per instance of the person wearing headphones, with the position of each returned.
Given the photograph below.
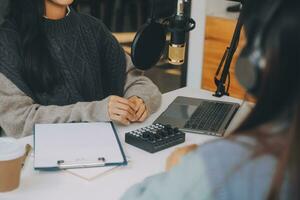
(259, 160)
(58, 66)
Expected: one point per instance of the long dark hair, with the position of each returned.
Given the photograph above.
(39, 69)
(279, 96)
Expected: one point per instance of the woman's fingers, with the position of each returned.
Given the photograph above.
(120, 119)
(121, 110)
(141, 111)
(137, 102)
(144, 116)
(140, 108)
(124, 107)
(127, 110)
(123, 113)
(124, 101)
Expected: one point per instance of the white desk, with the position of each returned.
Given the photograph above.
(61, 185)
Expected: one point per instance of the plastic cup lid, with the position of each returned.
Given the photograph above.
(10, 149)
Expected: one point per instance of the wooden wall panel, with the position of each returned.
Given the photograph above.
(218, 36)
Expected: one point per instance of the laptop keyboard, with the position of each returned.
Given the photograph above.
(209, 116)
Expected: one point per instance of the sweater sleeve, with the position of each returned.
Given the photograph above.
(139, 85)
(19, 113)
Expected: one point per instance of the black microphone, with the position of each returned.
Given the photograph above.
(179, 26)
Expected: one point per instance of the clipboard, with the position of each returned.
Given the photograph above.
(77, 145)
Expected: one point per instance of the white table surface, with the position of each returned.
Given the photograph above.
(61, 185)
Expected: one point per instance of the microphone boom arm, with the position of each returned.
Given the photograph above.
(227, 59)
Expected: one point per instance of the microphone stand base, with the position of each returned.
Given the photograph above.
(220, 91)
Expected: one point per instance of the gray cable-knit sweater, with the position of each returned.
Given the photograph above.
(19, 113)
(91, 61)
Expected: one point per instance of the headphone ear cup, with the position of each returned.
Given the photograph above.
(247, 72)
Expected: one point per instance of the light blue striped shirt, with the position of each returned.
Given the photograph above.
(223, 170)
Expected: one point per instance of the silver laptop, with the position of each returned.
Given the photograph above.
(199, 115)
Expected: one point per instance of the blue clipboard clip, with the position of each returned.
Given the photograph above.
(81, 163)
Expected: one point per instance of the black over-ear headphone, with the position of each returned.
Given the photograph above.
(252, 61)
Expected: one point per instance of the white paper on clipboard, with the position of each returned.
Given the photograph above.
(76, 143)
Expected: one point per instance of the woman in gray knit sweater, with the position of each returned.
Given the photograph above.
(57, 65)
(260, 160)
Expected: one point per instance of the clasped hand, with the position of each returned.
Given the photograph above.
(126, 111)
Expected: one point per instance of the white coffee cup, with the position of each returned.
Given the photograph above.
(12, 155)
